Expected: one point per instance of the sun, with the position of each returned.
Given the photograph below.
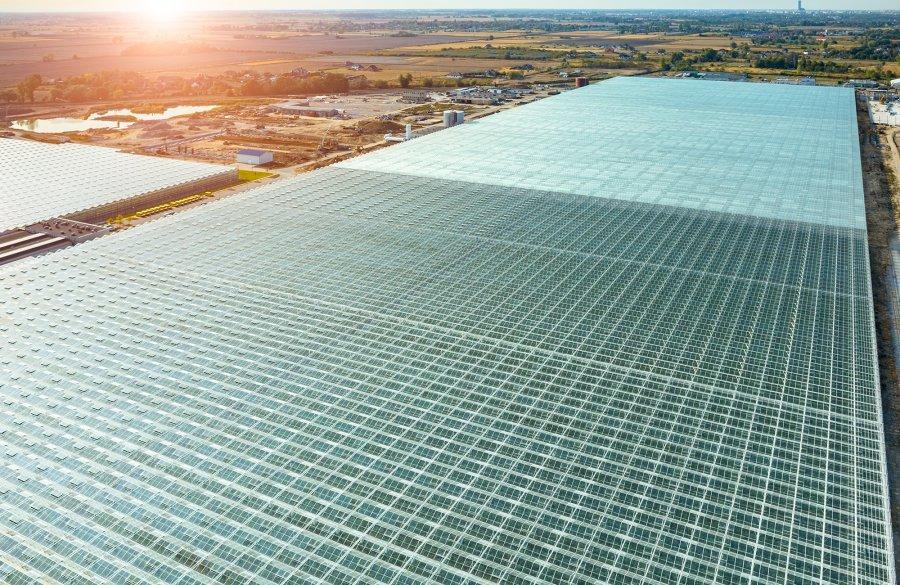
(161, 11)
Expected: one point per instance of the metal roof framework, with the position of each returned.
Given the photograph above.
(40, 180)
(398, 377)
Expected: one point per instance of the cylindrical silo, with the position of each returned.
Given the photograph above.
(449, 118)
(460, 116)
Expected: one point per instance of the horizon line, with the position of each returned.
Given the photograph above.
(449, 9)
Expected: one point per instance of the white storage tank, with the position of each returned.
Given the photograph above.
(460, 116)
(449, 118)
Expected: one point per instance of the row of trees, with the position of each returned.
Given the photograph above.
(90, 86)
(787, 60)
(25, 88)
(286, 84)
(678, 61)
(114, 85)
(799, 63)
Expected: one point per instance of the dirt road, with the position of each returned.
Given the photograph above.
(891, 136)
(882, 229)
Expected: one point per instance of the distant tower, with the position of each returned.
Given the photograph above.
(800, 6)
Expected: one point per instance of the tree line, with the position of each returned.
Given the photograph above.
(114, 85)
(288, 85)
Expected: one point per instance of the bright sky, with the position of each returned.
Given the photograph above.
(128, 5)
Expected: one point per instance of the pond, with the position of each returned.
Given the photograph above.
(55, 125)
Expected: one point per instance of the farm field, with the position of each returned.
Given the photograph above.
(434, 66)
(391, 65)
(54, 47)
(579, 41)
(316, 43)
(149, 64)
(677, 42)
(62, 47)
(293, 53)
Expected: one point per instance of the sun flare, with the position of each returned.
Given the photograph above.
(161, 11)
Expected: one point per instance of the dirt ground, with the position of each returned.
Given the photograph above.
(892, 137)
(216, 135)
(882, 199)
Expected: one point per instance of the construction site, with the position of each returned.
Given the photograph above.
(300, 133)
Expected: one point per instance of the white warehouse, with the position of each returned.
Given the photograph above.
(252, 156)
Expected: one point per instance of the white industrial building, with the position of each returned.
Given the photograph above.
(884, 112)
(253, 156)
(303, 108)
